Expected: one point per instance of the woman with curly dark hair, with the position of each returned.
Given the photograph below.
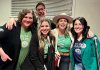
(19, 46)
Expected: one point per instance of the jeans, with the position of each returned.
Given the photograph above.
(78, 66)
(64, 63)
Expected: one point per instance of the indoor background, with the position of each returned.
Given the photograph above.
(75, 8)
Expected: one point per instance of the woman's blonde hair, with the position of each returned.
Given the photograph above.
(40, 35)
(68, 28)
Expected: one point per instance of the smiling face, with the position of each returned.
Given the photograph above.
(62, 24)
(40, 10)
(44, 28)
(27, 20)
(78, 27)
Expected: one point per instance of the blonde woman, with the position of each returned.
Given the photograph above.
(63, 39)
(47, 45)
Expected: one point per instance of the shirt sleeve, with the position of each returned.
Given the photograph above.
(3, 33)
(34, 57)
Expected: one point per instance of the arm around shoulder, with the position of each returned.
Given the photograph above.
(10, 23)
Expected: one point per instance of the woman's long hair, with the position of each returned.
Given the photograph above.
(50, 37)
(85, 29)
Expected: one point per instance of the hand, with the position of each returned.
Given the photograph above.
(90, 34)
(57, 55)
(57, 59)
(10, 23)
(5, 57)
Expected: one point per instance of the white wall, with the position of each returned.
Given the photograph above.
(5, 8)
(90, 9)
(86, 8)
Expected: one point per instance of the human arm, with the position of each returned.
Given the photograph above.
(10, 23)
(3, 34)
(90, 34)
(55, 34)
(96, 47)
(57, 54)
(34, 57)
(4, 56)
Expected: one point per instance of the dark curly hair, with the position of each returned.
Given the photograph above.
(85, 30)
(24, 12)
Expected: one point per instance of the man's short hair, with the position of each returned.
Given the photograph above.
(40, 3)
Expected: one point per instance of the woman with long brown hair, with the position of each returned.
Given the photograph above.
(47, 45)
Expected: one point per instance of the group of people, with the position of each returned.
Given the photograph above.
(34, 43)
